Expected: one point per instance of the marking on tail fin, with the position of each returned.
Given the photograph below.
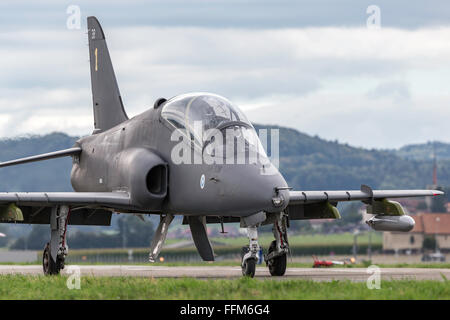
(106, 98)
(96, 58)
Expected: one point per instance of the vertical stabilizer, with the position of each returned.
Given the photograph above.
(107, 102)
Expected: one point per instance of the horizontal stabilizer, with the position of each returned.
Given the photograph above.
(40, 157)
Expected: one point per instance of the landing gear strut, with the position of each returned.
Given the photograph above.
(249, 253)
(56, 250)
(276, 258)
(159, 237)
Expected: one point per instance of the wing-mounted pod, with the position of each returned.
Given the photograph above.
(403, 223)
(389, 216)
(144, 175)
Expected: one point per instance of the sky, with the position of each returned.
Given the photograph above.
(373, 79)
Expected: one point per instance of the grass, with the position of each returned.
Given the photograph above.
(41, 287)
(307, 239)
(264, 240)
(299, 243)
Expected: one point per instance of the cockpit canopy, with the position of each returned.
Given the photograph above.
(199, 112)
(216, 126)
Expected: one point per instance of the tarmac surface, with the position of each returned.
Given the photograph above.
(220, 272)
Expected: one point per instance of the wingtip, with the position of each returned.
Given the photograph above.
(437, 193)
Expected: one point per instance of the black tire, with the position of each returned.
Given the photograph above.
(277, 265)
(50, 267)
(249, 266)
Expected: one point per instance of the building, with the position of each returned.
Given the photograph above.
(427, 224)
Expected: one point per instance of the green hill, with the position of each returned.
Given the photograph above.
(313, 163)
(50, 175)
(425, 151)
(307, 163)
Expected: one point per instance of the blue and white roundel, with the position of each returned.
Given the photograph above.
(202, 181)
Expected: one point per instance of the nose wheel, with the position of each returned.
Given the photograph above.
(249, 254)
(248, 265)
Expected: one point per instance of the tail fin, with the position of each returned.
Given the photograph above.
(107, 102)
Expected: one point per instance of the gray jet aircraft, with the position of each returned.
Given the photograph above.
(177, 158)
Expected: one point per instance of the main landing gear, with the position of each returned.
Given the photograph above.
(159, 237)
(56, 250)
(276, 258)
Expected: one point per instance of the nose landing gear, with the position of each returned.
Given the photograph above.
(248, 264)
(276, 258)
(249, 253)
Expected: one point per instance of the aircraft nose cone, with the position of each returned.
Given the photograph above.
(248, 189)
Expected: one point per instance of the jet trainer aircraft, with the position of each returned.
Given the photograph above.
(133, 166)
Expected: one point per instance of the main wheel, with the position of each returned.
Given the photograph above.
(50, 267)
(249, 266)
(277, 265)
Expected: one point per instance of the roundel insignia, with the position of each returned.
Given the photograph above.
(202, 181)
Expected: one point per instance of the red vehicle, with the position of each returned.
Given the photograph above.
(329, 263)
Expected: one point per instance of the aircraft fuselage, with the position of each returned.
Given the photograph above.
(136, 156)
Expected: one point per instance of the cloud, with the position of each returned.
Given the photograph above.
(360, 120)
(254, 14)
(313, 79)
(397, 90)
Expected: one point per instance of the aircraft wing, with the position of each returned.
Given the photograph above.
(88, 208)
(365, 194)
(322, 204)
(105, 199)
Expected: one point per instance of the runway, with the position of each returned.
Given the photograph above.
(220, 272)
